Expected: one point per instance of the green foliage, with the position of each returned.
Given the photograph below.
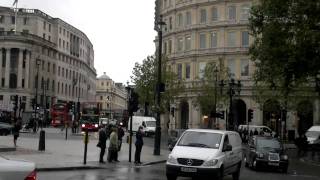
(145, 79)
(286, 45)
(210, 91)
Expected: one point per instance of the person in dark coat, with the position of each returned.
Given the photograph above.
(255, 132)
(120, 136)
(102, 143)
(139, 144)
(15, 131)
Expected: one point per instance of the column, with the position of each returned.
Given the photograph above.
(316, 114)
(1, 67)
(20, 62)
(26, 75)
(190, 118)
(7, 70)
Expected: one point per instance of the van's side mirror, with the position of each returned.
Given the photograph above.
(227, 147)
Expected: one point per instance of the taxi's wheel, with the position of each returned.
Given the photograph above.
(220, 175)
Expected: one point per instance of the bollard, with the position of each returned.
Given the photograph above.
(85, 140)
(42, 142)
(66, 127)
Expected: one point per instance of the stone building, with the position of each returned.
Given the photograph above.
(112, 97)
(201, 31)
(61, 55)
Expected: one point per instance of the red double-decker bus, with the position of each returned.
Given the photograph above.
(59, 114)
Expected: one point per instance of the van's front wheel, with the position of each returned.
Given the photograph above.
(236, 175)
(171, 177)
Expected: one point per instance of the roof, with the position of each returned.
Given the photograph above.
(104, 76)
(209, 131)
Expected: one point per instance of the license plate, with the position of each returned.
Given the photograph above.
(273, 163)
(185, 169)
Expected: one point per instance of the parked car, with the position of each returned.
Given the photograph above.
(265, 129)
(266, 152)
(205, 153)
(5, 129)
(17, 170)
(174, 135)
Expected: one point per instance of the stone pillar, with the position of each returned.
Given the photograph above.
(26, 75)
(20, 62)
(7, 70)
(316, 109)
(190, 118)
(1, 67)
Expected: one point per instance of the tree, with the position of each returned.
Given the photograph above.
(209, 90)
(286, 46)
(145, 79)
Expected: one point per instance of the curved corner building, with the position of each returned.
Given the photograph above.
(59, 53)
(201, 31)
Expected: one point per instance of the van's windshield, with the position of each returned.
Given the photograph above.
(200, 139)
(151, 123)
(313, 133)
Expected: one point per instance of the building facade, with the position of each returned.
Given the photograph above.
(112, 97)
(198, 32)
(44, 56)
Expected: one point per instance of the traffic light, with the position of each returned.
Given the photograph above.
(220, 115)
(15, 102)
(250, 115)
(133, 102)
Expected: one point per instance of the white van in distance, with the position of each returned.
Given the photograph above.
(148, 124)
(313, 135)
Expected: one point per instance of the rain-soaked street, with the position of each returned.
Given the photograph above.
(297, 171)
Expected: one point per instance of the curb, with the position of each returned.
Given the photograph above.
(89, 167)
(7, 149)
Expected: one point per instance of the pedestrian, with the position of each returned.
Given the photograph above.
(102, 143)
(120, 136)
(15, 131)
(251, 133)
(113, 146)
(139, 144)
(255, 132)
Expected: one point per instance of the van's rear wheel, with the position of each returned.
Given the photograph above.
(171, 177)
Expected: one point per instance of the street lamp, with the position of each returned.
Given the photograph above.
(38, 62)
(42, 144)
(159, 88)
(130, 114)
(233, 88)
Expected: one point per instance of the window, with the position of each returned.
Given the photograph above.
(170, 23)
(53, 86)
(25, 21)
(165, 46)
(2, 82)
(54, 68)
(1, 97)
(59, 71)
(231, 39)
(180, 20)
(44, 36)
(245, 9)
(245, 38)
(59, 42)
(180, 44)
(49, 27)
(101, 98)
(63, 44)
(67, 73)
(188, 18)
(48, 67)
(214, 14)
(49, 38)
(64, 32)
(62, 72)
(13, 20)
(22, 83)
(170, 47)
(232, 12)
(244, 67)
(202, 66)
(187, 71)
(188, 43)
(44, 25)
(203, 16)
(203, 41)
(60, 30)
(102, 84)
(179, 66)
(214, 39)
(1, 19)
(232, 67)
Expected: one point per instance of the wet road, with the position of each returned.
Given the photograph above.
(297, 171)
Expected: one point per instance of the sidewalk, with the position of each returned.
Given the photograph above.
(311, 157)
(69, 154)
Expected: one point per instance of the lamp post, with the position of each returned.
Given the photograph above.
(130, 114)
(157, 140)
(38, 62)
(232, 88)
(42, 144)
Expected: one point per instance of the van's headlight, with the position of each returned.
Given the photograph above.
(284, 157)
(96, 125)
(260, 155)
(211, 162)
(172, 160)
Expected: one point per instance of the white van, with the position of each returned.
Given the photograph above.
(148, 124)
(205, 153)
(313, 135)
(265, 129)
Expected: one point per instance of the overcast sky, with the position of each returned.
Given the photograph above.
(121, 31)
